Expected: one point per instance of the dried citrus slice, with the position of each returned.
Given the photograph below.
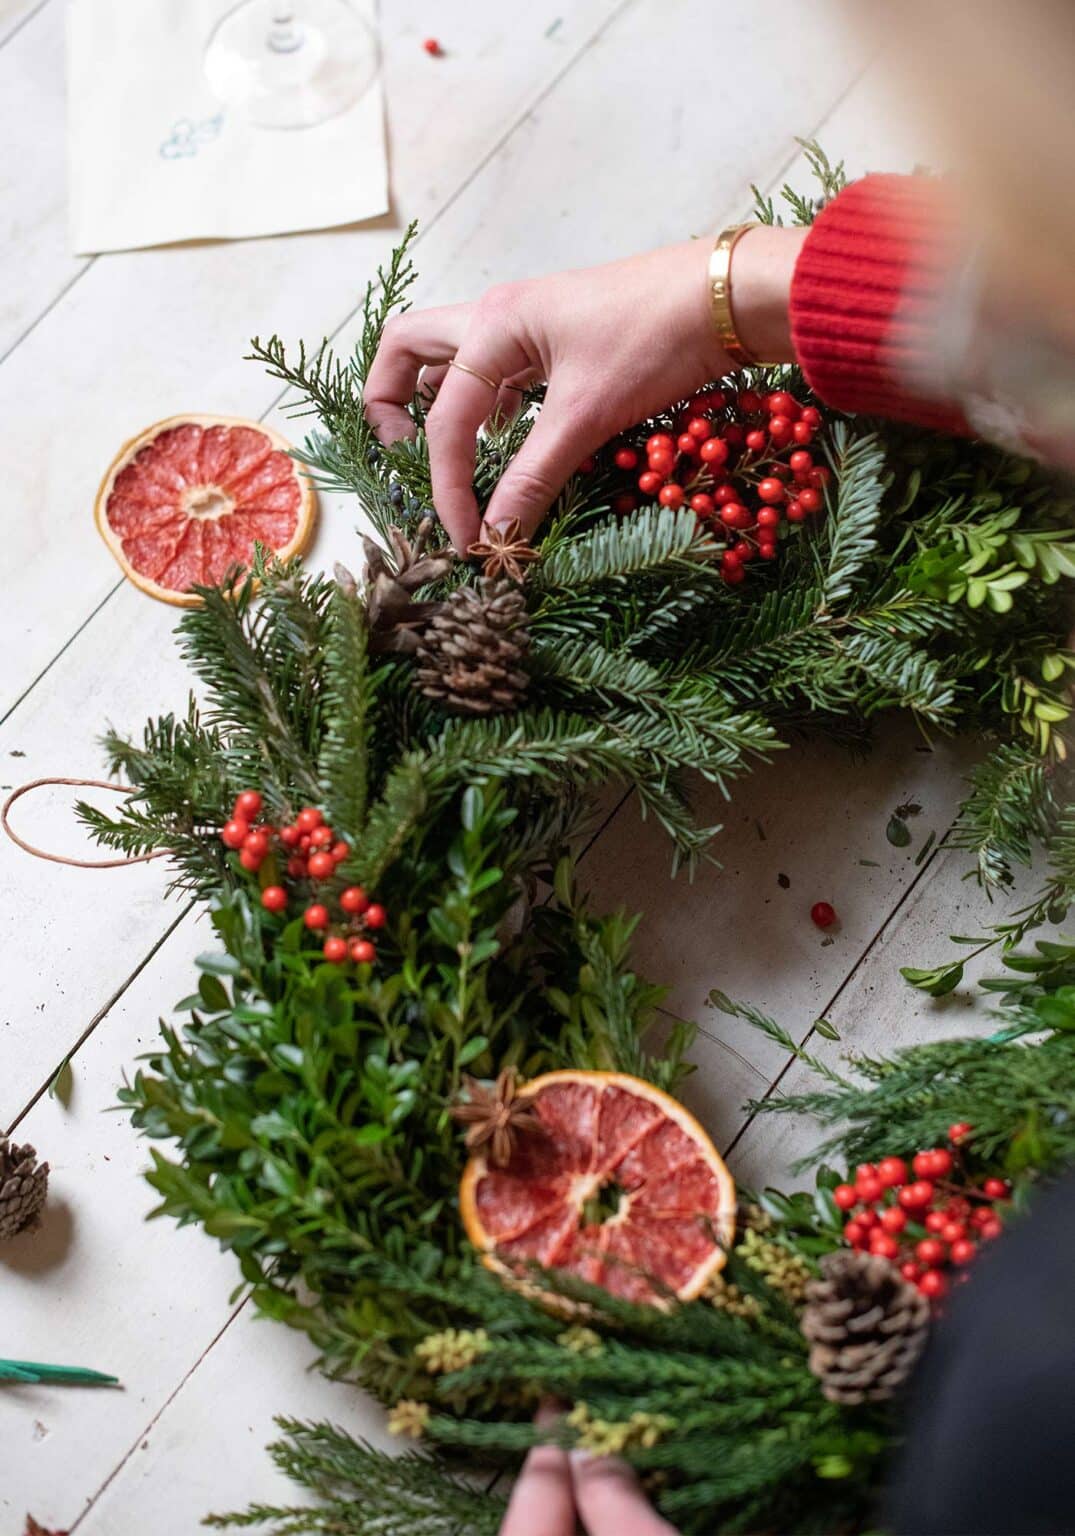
(187, 499)
(620, 1186)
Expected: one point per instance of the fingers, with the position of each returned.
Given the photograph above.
(542, 1501)
(610, 1501)
(559, 441)
(409, 342)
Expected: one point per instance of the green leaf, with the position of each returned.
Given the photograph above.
(213, 993)
(472, 1048)
(62, 1085)
(938, 982)
(219, 965)
(826, 1030)
(898, 832)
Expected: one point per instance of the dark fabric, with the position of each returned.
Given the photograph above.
(992, 1444)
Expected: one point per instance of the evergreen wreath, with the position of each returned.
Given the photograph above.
(310, 1102)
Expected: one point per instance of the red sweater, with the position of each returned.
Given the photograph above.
(864, 298)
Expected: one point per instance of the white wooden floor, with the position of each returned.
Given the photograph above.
(550, 135)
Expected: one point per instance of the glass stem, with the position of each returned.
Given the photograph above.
(284, 35)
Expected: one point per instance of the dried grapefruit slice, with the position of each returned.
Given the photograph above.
(186, 500)
(620, 1186)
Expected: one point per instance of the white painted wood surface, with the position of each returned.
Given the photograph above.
(551, 137)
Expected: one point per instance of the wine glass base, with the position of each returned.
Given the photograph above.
(294, 76)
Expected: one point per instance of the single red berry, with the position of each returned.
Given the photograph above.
(316, 916)
(957, 1209)
(766, 549)
(820, 476)
(257, 842)
(714, 452)
(375, 915)
(885, 1246)
(233, 833)
(801, 461)
(963, 1251)
(780, 403)
(869, 1190)
(699, 429)
(756, 441)
(624, 503)
(335, 949)
(659, 441)
(866, 1171)
(321, 865)
(996, 1189)
(892, 1171)
(321, 837)
(671, 495)
(822, 914)
(432, 47)
(703, 504)
(936, 1221)
(339, 851)
(308, 818)
(982, 1216)
(916, 1196)
(855, 1233)
(712, 400)
(953, 1231)
(274, 898)
(625, 458)
(933, 1284)
(868, 1219)
(893, 1218)
(296, 867)
(810, 499)
(731, 570)
(687, 444)
(735, 516)
(251, 860)
(991, 1229)
(304, 843)
(362, 951)
(779, 429)
(248, 805)
(354, 899)
(811, 415)
(801, 433)
(794, 511)
(749, 401)
(650, 482)
(771, 489)
(289, 836)
(663, 461)
(959, 1132)
(845, 1197)
(734, 434)
(910, 1271)
(724, 494)
(768, 517)
(922, 1163)
(931, 1252)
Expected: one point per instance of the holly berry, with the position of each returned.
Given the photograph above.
(867, 1219)
(910, 1271)
(800, 462)
(749, 401)
(625, 458)
(963, 1251)
(996, 1189)
(959, 1132)
(659, 442)
(257, 842)
(714, 452)
(883, 1245)
(794, 511)
(339, 851)
(700, 430)
(990, 1229)
(779, 429)
(321, 837)
(354, 899)
(316, 916)
(931, 1252)
(624, 503)
(916, 1196)
(982, 1216)
(734, 435)
(251, 861)
(845, 1196)
(855, 1233)
(756, 441)
(375, 916)
(308, 818)
(233, 833)
(248, 805)
(933, 1284)
(687, 444)
(893, 1218)
(362, 951)
(767, 549)
(321, 865)
(289, 836)
(869, 1189)
(335, 949)
(663, 461)
(771, 489)
(780, 403)
(432, 47)
(671, 495)
(892, 1171)
(809, 499)
(274, 898)
(296, 867)
(731, 569)
(822, 915)
(703, 504)
(801, 433)
(650, 482)
(936, 1221)
(811, 416)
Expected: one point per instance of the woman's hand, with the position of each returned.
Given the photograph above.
(556, 1488)
(615, 344)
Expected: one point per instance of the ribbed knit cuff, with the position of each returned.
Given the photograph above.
(865, 297)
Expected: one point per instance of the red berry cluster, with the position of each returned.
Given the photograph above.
(312, 851)
(925, 1223)
(741, 462)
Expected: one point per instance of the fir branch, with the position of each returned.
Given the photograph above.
(347, 695)
(654, 538)
(852, 528)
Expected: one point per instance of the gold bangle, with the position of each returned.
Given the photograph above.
(720, 295)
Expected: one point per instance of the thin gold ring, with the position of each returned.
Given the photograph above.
(492, 383)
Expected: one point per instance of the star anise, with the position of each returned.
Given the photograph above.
(495, 1115)
(504, 551)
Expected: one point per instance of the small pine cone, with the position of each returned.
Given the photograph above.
(866, 1326)
(24, 1184)
(470, 658)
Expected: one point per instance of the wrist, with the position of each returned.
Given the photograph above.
(762, 265)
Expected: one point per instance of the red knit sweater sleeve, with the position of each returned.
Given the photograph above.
(864, 298)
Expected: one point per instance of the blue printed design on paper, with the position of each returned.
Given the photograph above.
(188, 136)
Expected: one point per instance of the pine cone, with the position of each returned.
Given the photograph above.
(24, 1184)
(471, 652)
(395, 619)
(867, 1326)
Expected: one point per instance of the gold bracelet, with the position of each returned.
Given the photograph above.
(720, 295)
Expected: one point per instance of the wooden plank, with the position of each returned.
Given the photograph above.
(147, 334)
(14, 14)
